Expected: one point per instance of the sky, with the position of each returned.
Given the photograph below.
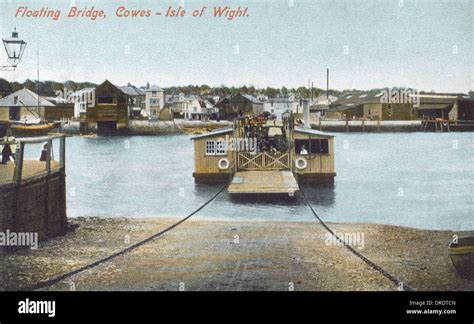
(426, 45)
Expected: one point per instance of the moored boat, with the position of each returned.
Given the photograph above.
(33, 129)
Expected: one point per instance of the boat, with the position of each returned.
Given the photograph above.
(461, 252)
(33, 129)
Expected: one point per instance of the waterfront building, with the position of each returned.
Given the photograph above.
(110, 111)
(26, 106)
(154, 100)
(240, 104)
(372, 105)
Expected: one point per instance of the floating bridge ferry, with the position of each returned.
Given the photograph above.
(261, 155)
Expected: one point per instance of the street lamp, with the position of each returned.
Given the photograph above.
(14, 48)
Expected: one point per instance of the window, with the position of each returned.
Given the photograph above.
(105, 100)
(313, 146)
(153, 93)
(220, 147)
(215, 147)
(210, 147)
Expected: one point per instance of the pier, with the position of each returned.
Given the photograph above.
(33, 192)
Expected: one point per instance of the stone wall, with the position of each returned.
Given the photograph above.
(37, 205)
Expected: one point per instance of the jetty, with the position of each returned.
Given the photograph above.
(33, 192)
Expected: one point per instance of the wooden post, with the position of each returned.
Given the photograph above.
(62, 152)
(48, 156)
(363, 125)
(347, 125)
(20, 148)
(378, 124)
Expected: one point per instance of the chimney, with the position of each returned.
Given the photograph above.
(306, 113)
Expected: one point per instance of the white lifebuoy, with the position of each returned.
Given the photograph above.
(301, 163)
(223, 164)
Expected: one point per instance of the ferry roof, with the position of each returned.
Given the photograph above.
(313, 132)
(214, 133)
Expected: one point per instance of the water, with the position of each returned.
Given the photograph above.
(420, 180)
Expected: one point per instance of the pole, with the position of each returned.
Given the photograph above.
(327, 84)
(38, 75)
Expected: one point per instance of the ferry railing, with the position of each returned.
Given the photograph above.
(20, 150)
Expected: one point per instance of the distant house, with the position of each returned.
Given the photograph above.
(448, 106)
(280, 105)
(110, 111)
(372, 105)
(154, 100)
(320, 105)
(135, 99)
(25, 105)
(82, 99)
(240, 104)
(191, 107)
(196, 108)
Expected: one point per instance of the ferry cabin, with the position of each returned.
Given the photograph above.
(213, 161)
(308, 155)
(313, 156)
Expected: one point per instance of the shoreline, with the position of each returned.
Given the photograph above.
(235, 255)
(180, 126)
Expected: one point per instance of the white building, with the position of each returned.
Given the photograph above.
(191, 107)
(82, 99)
(280, 105)
(154, 100)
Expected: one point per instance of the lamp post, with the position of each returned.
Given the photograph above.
(14, 48)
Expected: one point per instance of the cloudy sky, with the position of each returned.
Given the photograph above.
(427, 45)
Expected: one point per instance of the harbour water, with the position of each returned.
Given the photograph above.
(421, 180)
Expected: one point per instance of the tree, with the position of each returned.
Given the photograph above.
(303, 92)
(271, 92)
(70, 85)
(5, 88)
(30, 85)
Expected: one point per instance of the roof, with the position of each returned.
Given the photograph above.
(341, 107)
(375, 96)
(57, 100)
(24, 98)
(131, 91)
(440, 98)
(219, 131)
(154, 88)
(360, 98)
(312, 132)
(251, 98)
(281, 100)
